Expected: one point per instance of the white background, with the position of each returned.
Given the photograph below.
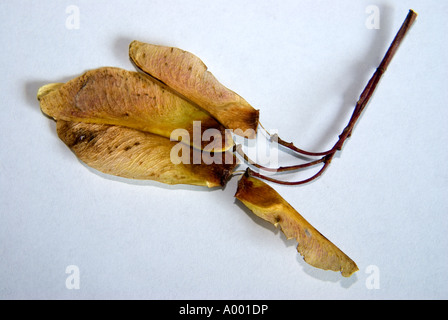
(383, 200)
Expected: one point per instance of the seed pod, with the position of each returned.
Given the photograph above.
(135, 154)
(188, 75)
(131, 99)
(316, 250)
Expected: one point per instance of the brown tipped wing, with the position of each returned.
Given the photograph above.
(316, 250)
(188, 75)
(131, 99)
(135, 154)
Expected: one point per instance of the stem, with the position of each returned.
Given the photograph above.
(366, 94)
(326, 162)
(364, 98)
(240, 151)
(373, 82)
(290, 145)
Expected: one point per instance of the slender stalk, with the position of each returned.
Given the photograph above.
(375, 79)
(238, 149)
(290, 145)
(326, 161)
(361, 104)
(365, 95)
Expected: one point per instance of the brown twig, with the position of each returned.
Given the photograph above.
(364, 98)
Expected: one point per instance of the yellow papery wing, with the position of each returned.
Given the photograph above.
(316, 250)
(135, 154)
(131, 99)
(188, 75)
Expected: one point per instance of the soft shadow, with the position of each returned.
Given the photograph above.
(360, 72)
(265, 224)
(326, 275)
(319, 274)
(31, 88)
(121, 49)
(262, 223)
(149, 183)
(121, 46)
